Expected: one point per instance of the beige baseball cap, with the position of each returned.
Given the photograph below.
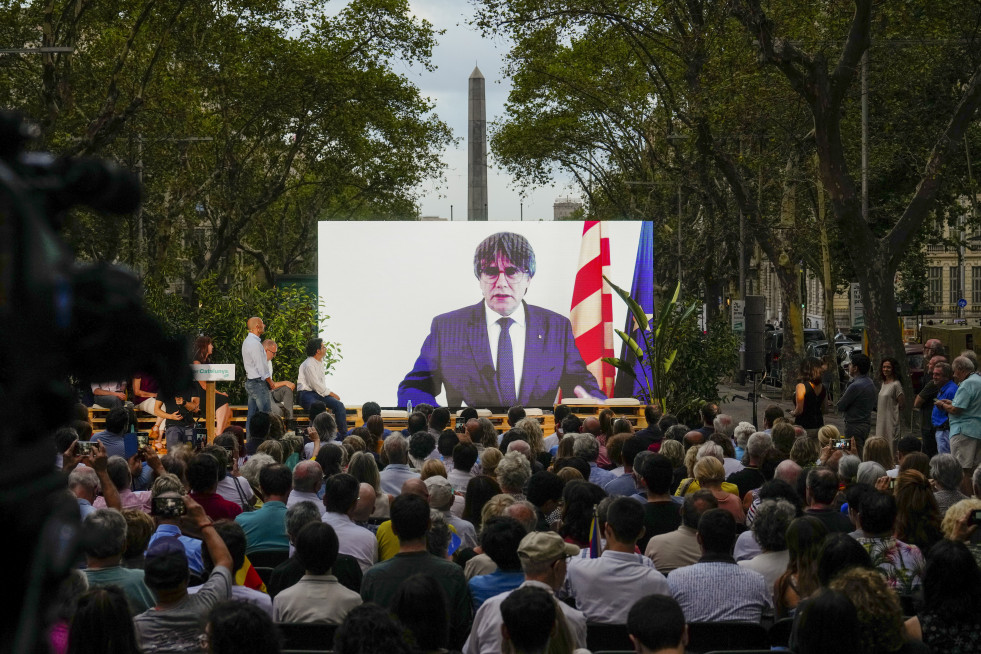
(440, 492)
(542, 546)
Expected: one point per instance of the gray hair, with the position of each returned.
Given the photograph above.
(85, 477)
(307, 476)
(963, 364)
(167, 483)
(325, 426)
(759, 444)
(118, 470)
(676, 432)
(773, 517)
(105, 533)
(945, 369)
(397, 448)
(711, 449)
(299, 516)
(674, 450)
(946, 471)
(254, 466)
(848, 467)
(868, 472)
(724, 424)
(585, 446)
(488, 432)
(742, 432)
(438, 534)
(513, 472)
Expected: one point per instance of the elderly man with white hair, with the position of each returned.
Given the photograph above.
(965, 417)
(587, 447)
(946, 477)
(441, 499)
(513, 473)
(308, 477)
(741, 433)
(751, 477)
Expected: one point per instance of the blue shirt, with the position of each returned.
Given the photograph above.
(623, 485)
(265, 529)
(254, 358)
(483, 587)
(599, 476)
(114, 443)
(192, 546)
(940, 416)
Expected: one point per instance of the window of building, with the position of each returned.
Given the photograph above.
(975, 284)
(955, 284)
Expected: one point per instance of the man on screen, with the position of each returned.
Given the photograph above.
(501, 351)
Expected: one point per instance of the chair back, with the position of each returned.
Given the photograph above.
(607, 637)
(779, 632)
(268, 558)
(710, 636)
(307, 636)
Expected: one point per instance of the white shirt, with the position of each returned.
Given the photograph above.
(226, 488)
(769, 564)
(458, 480)
(244, 594)
(606, 588)
(118, 387)
(254, 358)
(485, 634)
(311, 377)
(517, 332)
(302, 496)
(354, 540)
(732, 466)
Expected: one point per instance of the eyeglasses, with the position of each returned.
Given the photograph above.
(511, 273)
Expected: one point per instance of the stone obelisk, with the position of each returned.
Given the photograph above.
(477, 149)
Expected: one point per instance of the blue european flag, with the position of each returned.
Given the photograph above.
(641, 290)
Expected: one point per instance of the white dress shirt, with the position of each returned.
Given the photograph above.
(254, 358)
(606, 588)
(311, 377)
(354, 540)
(485, 634)
(517, 332)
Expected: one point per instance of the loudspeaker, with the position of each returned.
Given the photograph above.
(754, 357)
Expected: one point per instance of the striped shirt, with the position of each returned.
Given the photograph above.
(717, 590)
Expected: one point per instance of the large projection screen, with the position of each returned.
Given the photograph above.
(382, 284)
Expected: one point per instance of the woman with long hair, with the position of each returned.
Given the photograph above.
(917, 514)
(102, 623)
(578, 500)
(891, 402)
(950, 621)
(811, 397)
(479, 491)
(364, 468)
(805, 537)
(203, 349)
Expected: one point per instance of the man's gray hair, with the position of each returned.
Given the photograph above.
(167, 483)
(585, 446)
(513, 472)
(676, 432)
(946, 471)
(325, 426)
(105, 533)
(724, 424)
(85, 477)
(848, 467)
(742, 432)
(397, 448)
(773, 517)
(945, 369)
(759, 444)
(640, 461)
(963, 364)
(868, 472)
(307, 476)
(299, 516)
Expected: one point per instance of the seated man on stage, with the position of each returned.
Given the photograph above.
(109, 394)
(501, 351)
(311, 383)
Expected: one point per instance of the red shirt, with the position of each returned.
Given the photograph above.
(216, 506)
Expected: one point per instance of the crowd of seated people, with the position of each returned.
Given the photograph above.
(439, 539)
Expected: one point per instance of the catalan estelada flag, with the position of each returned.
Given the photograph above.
(641, 290)
(595, 538)
(592, 305)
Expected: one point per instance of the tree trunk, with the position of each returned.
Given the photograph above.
(793, 327)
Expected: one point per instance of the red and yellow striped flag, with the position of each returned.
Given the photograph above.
(592, 305)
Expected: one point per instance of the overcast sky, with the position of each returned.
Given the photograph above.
(458, 50)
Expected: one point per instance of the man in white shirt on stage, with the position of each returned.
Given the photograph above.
(282, 391)
(311, 384)
(256, 372)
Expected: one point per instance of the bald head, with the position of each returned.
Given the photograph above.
(693, 438)
(307, 476)
(415, 486)
(473, 429)
(591, 425)
(365, 505)
(788, 471)
(255, 325)
(524, 512)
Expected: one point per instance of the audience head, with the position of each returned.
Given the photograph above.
(276, 480)
(104, 535)
(529, 619)
(232, 534)
(117, 421)
(464, 456)
(499, 539)
(480, 490)
(341, 493)
(410, 517)
(543, 555)
(878, 449)
(102, 623)
(695, 505)
(946, 472)
(421, 445)
(166, 565)
(489, 460)
(877, 515)
(299, 516)
(513, 472)
(876, 607)
(440, 493)
(370, 629)
(869, 472)
(952, 581)
(316, 547)
(235, 626)
(822, 486)
(396, 449)
(545, 490)
(420, 605)
(273, 448)
(783, 436)
(656, 623)
(717, 532)
(840, 552)
(579, 499)
(773, 518)
(624, 520)
(828, 624)
(259, 425)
